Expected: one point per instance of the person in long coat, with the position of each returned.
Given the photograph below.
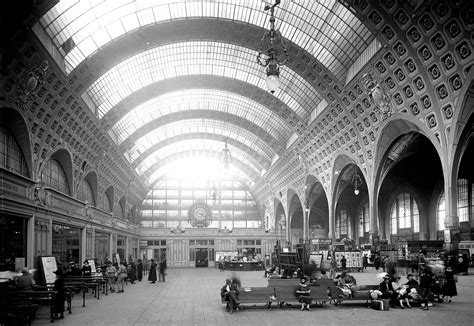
(152, 275)
(140, 270)
(132, 272)
(60, 295)
(450, 287)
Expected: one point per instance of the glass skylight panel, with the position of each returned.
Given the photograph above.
(194, 145)
(201, 99)
(128, 76)
(197, 125)
(69, 18)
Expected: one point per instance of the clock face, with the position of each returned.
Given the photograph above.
(199, 215)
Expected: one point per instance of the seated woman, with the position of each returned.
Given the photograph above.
(413, 290)
(303, 293)
(229, 293)
(343, 285)
(401, 293)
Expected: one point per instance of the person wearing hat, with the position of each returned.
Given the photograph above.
(401, 292)
(303, 293)
(59, 296)
(413, 289)
(152, 274)
(25, 282)
(386, 288)
(426, 283)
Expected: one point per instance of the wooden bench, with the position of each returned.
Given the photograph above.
(285, 290)
(254, 295)
(83, 284)
(19, 307)
(359, 293)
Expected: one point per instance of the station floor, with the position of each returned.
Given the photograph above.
(191, 297)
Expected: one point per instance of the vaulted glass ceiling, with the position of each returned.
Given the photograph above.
(201, 99)
(201, 126)
(154, 132)
(326, 29)
(201, 58)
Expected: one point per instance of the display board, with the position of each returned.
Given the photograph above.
(317, 259)
(92, 265)
(48, 267)
(353, 258)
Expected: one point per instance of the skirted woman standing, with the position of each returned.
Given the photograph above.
(152, 275)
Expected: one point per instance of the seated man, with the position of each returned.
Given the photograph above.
(229, 293)
(386, 288)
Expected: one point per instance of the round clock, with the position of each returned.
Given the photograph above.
(199, 215)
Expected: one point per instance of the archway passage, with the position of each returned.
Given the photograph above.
(412, 171)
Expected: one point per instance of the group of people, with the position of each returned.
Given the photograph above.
(118, 273)
(161, 266)
(414, 292)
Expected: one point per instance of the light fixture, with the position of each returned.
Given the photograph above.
(214, 193)
(225, 156)
(356, 182)
(271, 48)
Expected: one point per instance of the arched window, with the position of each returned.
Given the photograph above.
(11, 155)
(106, 204)
(463, 201)
(404, 214)
(464, 210)
(54, 176)
(343, 225)
(364, 220)
(85, 193)
(441, 212)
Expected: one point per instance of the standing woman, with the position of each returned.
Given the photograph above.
(450, 288)
(152, 274)
(59, 296)
(140, 270)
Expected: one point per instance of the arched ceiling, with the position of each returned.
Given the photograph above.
(188, 91)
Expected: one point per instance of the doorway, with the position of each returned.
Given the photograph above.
(202, 257)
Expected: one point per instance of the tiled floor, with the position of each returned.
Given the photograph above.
(191, 297)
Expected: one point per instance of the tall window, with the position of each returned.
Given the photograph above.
(343, 225)
(364, 220)
(463, 200)
(85, 193)
(464, 209)
(11, 156)
(404, 214)
(54, 176)
(441, 212)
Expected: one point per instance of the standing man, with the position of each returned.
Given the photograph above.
(343, 263)
(162, 267)
(365, 262)
(426, 281)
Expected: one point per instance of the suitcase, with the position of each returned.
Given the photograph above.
(381, 304)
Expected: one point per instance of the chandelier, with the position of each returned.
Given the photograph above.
(225, 156)
(271, 48)
(356, 182)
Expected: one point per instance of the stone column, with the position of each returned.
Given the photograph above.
(83, 245)
(451, 221)
(30, 242)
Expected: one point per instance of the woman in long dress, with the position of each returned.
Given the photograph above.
(450, 289)
(303, 293)
(152, 275)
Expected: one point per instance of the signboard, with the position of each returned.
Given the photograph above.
(317, 259)
(92, 265)
(49, 266)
